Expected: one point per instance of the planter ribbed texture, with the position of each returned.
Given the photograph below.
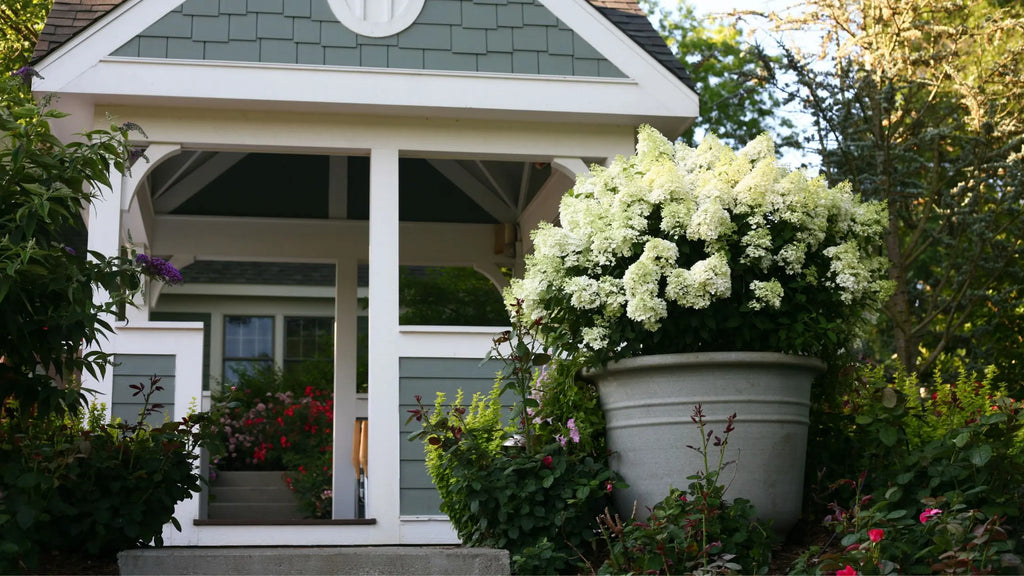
(648, 402)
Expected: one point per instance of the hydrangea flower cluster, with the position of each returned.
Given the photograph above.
(680, 249)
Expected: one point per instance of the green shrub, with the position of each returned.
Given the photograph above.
(937, 473)
(534, 486)
(72, 483)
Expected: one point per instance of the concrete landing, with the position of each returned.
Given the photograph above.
(370, 560)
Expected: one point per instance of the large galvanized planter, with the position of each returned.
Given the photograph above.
(648, 402)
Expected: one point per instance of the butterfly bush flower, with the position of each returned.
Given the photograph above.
(655, 241)
(159, 268)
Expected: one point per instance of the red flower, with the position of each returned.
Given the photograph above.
(928, 514)
(876, 534)
(546, 461)
(848, 571)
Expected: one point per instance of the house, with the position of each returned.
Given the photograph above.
(343, 133)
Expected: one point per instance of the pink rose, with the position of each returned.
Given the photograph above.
(876, 534)
(848, 571)
(928, 514)
(546, 461)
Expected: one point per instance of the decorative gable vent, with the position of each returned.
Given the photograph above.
(376, 18)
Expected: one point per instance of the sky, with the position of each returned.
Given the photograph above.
(791, 158)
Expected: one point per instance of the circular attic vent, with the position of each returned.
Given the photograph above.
(376, 18)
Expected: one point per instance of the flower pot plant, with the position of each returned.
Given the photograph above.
(678, 260)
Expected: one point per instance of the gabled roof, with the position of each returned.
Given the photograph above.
(69, 17)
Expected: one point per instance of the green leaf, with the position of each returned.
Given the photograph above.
(864, 419)
(980, 455)
(888, 436)
(962, 439)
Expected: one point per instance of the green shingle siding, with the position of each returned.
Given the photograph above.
(465, 41)
(242, 27)
(426, 377)
(132, 369)
(274, 26)
(495, 36)
(307, 32)
(405, 58)
(232, 6)
(211, 28)
(201, 8)
(153, 47)
(427, 37)
(441, 12)
(297, 8)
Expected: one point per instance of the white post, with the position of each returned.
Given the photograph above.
(104, 223)
(345, 335)
(382, 500)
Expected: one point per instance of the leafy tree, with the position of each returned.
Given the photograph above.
(47, 280)
(919, 103)
(449, 297)
(20, 24)
(734, 77)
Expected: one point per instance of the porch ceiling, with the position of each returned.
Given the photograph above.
(208, 183)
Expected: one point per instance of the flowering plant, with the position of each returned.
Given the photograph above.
(264, 423)
(680, 249)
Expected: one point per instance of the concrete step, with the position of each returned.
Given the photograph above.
(234, 478)
(251, 496)
(258, 561)
(250, 511)
(236, 494)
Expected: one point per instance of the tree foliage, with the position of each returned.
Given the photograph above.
(20, 24)
(48, 313)
(919, 103)
(734, 77)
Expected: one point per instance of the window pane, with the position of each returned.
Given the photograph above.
(232, 368)
(309, 339)
(248, 337)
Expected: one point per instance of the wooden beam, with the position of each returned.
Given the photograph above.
(188, 186)
(475, 189)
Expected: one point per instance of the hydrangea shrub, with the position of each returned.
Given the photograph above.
(680, 249)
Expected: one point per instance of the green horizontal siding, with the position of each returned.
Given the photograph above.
(427, 377)
(132, 369)
(508, 36)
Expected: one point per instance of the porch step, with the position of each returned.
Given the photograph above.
(249, 511)
(251, 496)
(257, 561)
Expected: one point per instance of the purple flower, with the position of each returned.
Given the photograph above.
(70, 250)
(574, 432)
(159, 268)
(561, 440)
(26, 73)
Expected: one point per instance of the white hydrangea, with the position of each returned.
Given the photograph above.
(595, 337)
(583, 292)
(766, 294)
(706, 281)
(847, 271)
(642, 280)
(604, 264)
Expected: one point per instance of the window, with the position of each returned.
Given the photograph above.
(248, 344)
(308, 340)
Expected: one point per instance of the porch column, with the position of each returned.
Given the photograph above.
(345, 334)
(382, 499)
(104, 224)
